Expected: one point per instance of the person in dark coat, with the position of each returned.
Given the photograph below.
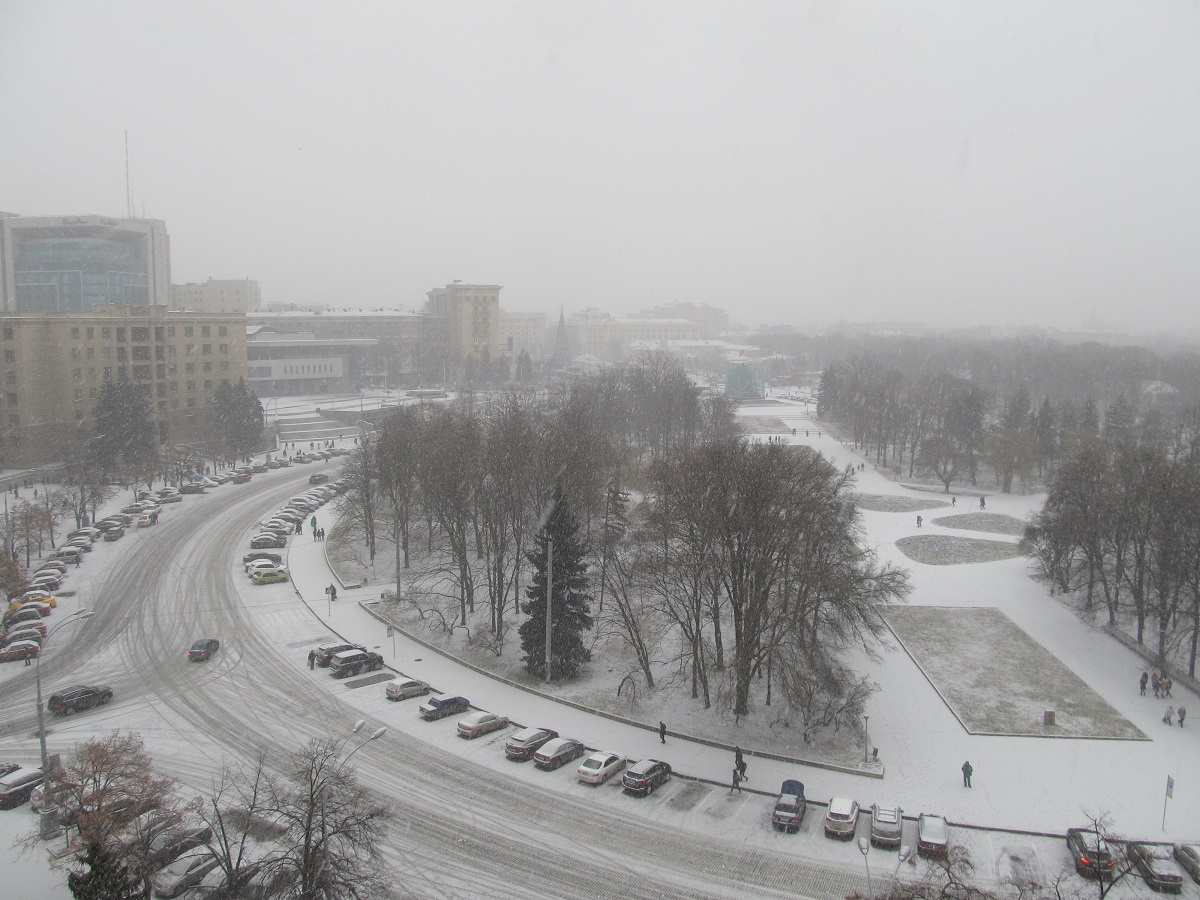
(1182, 713)
(1164, 685)
(1154, 683)
(312, 659)
(967, 771)
(1142, 683)
(739, 762)
(737, 781)
(662, 732)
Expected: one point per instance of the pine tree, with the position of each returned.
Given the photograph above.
(106, 877)
(570, 604)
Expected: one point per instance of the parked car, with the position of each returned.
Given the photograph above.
(87, 532)
(272, 576)
(267, 541)
(841, 818)
(480, 723)
(1092, 856)
(1157, 866)
(354, 662)
(558, 752)
(183, 874)
(114, 534)
(600, 766)
(78, 697)
(42, 609)
(17, 634)
(16, 786)
(644, 776)
(887, 822)
(34, 596)
(56, 565)
(258, 468)
(933, 835)
(526, 742)
(147, 519)
(203, 650)
(1188, 856)
(83, 542)
(284, 463)
(262, 554)
(262, 565)
(327, 652)
(132, 509)
(39, 627)
(26, 613)
(303, 460)
(69, 554)
(789, 806)
(193, 487)
(318, 478)
(441, 707)
(19, 650)
(172, 842)
(241, 478)
(402, 690)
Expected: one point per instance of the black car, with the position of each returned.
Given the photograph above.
(16, 786)
(263, 554)
(78, 697)
(526, 742)
(789, 806)
(204, 649)
(644, 776)
(440, 707)
(268, 542)
(1091, 853)
(324, 654)
(354, 662)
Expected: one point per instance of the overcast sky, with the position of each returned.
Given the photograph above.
(955, 163)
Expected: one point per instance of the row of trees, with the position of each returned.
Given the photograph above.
(1120, 527)
(950, 428)
(309, 832)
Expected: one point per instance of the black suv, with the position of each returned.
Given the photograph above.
(1091, 853)
(80, 696)
(354, 662)
(643, 777)
(17, 786)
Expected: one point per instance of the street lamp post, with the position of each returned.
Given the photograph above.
(905, 853)
(49, 827)
(866, 737)
(377, 733)
(864, 847)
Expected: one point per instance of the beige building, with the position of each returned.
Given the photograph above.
(523, 331)
(218, 296)
(55, 365)
(710, 320)
(472, 314)
(65, 264)
(597, 334)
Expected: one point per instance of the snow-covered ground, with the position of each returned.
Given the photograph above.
(1022, 783)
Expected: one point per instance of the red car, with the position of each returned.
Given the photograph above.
(20, 650)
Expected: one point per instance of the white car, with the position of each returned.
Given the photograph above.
(600, 766)
(478, 723)
(270, 568)
(256, 564)
(186, 872)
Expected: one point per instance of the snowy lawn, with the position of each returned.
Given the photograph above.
(892, 503)
(993, 522)
(1020, 681)
(761, 425)
(948, 550)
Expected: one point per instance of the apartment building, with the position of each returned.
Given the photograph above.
(218, 296)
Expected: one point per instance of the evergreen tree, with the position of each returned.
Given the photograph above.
(240, 418)
(570, 604)
(123, 430)
(106, 877)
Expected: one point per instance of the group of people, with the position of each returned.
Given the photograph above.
(1161, 685)
(739, 770)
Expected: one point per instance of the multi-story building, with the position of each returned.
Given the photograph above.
(523, 331)
(218, 296)
(55, 364)
(597, 334)
(61, 264)
(472, 314)
(710, 320)
(281, 364)
(407, 349)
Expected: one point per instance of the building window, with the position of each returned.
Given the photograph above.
(171, 348)
(207, 350)
(205, 330)
(162, 404)
(108, 373)
(10, 356)
(141, 373)
(76, 353)
(187, 330)
(170, 331)
(121, 354)
(91, 352)
(77, 374)
(208, 367)
(106, 352)
(173, 387)
(222, 330)
(208, 384)
(191, 386)
(171, 370)
(224, 366)
(158, 333)
(190, 367)
(10, 377)
(11, 398)
(161, 390)
(78, 393)
(160, 352)
(121, 335)
(160, 370)
(122, 373)
(91, 393)
(142, 352)
(8, 334)
(139, 334)
(174, 404)
(74, 332)
(191, 402)
(189, 349)
(91, 333)
(106, 332)
(223, 349)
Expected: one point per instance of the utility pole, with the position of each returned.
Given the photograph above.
(549, 596)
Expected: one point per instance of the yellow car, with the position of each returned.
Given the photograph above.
(268, 577)
(30, 596)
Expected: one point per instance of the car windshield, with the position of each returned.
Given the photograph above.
(200, 645)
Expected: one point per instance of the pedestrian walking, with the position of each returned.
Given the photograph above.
(954, 501)
(737, 781)
(1154, 683)
(332, 592)
(967, 771)
(918, 521)
(28, 661)
(1164, 685)
(982, 503)
(662, 732)
(312, 659)
(739, 762)
(1182, 713)
(1142, 683)
(1169, 715)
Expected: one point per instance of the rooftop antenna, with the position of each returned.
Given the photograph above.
(128, 193)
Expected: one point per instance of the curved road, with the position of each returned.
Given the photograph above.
(461, 829)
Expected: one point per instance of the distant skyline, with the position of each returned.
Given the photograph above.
(955, 164)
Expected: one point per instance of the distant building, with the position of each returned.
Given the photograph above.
(289, 363)
(599, 335)
(61, 264)
(523, 331)
(218, 296)
(55, 364)
(472, 314)
(745, 381)
(710, 320)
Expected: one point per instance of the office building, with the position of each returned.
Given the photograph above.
(218, 296)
